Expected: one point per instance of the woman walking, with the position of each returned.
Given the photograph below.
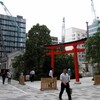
(9, 76)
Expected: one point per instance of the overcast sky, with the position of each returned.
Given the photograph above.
(51, 12)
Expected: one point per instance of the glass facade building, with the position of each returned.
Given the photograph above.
(54, 40)
(93, 28)
(12, 34)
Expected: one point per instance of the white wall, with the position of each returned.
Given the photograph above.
(11, 57)
(74, 34)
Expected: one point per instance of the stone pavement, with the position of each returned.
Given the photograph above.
(31, 91)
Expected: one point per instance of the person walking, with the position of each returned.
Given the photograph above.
(32, 74)
(3, 76)
(51, 73)
(69, 73)
(65, 85)
(9, 76)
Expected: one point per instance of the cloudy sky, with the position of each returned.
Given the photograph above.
(51, 12)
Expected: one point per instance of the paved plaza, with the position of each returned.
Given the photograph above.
(31, 91)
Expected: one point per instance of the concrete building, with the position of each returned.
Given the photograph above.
(12, 35)
(54, 40)
(11, 60)
(74, 34)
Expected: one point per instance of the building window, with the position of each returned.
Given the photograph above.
(78, 34)
(73, 38)
(73, 35)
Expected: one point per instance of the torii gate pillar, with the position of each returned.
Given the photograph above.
(76, 65)
(52, 60)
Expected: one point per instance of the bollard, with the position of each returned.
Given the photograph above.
(22, 79)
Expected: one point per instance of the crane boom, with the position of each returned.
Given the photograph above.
(5, 8)
(11, 17)
(8, 13)
(63, 30)
(93, 11)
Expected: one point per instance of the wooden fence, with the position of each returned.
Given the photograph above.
(48, 83)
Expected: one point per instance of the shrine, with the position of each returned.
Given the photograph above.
(57, 49)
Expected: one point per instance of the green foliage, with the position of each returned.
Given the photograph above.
(18, 64)
(63, 62)
(35, 54)
(93, 48)
(39, 36)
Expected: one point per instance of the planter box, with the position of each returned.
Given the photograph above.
(96, 79)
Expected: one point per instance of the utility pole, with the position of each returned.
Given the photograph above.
(87, 32)
(87, 29)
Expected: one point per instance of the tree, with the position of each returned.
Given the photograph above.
(63, 62)
(93, 49)
(39, 36)
(35, 54)
(18, 65)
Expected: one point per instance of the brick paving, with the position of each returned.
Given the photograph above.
(31, 91)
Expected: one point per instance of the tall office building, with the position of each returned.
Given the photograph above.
(12, 34)
(74, 34)
(93, 27)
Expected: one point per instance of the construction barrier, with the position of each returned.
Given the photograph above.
(48, 83)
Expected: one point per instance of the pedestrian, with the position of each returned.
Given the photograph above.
(69, 72)
(9, 75)
(64, 78)
(3, 76)
(51, 73)
(32, 74)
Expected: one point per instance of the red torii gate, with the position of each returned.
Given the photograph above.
(53, 52)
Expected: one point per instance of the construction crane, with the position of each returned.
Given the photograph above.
(9, 14)
(93, 11)
(63, 31)
(5, 8)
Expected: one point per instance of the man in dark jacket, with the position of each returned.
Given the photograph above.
(3, 76)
